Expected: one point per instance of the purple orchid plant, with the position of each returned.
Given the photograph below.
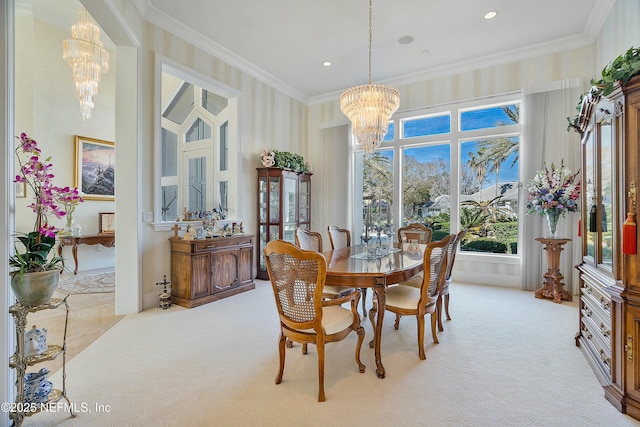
(48, 199)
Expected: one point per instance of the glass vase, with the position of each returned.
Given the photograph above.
(552, 221)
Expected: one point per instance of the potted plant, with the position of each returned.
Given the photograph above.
(34, 273)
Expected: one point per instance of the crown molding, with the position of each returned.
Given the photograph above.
(177, 28)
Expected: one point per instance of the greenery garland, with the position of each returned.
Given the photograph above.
(621, 69)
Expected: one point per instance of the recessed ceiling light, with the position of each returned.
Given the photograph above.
(327, 63)
(405, 40)
(490, 15)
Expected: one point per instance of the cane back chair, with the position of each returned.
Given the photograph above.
(297, 277)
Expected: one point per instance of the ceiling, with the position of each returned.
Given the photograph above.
(285, 42)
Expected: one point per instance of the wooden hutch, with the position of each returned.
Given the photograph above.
(610, 278)
(284, 204)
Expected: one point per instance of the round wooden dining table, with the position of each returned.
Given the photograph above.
(353, 267)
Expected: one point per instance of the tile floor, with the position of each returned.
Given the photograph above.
(90, 315)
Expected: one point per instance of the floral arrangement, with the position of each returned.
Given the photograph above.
(284, 160)
(553, 191)
(36, 173)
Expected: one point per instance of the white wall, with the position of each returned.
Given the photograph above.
(47, 110)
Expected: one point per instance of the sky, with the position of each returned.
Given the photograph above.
(469, 120)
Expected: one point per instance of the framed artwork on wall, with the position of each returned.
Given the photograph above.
(106, 222)
(95, 168)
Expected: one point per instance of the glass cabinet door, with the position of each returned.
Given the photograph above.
(289, 202)
(599, 188)
(591, 198)
(274, 199)
(606, 194)
(304, 201)
(262, 199)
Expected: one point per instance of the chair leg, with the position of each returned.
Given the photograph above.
(446, 306)
(282, 352)
(364, 300)
(304, 348)
(420, 320)
(396, 325)
(360, 332)
(434, 320)
(320, 345)
(439, 312)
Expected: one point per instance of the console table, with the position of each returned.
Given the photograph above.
(104, 239)
(552, 284)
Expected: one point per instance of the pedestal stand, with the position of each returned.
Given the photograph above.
(552, 284)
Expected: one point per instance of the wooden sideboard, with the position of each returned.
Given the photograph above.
(210, 269)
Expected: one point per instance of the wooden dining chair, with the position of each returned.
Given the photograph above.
(341, 238)
(444, 293)
(298, 277)
(415, 233)
(420, 297)
(312, 241)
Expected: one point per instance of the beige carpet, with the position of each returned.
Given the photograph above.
(506, 359)
(87, 284)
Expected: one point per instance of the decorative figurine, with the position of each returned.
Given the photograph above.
(165, 296)
(35, 341)
(36, 386)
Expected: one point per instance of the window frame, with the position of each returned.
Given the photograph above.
(455, 138)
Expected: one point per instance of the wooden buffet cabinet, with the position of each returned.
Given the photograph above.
(610, 279)
(210, 269)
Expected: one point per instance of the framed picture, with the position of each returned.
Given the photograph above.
(21, 190)
(95, 169)
(106, 222)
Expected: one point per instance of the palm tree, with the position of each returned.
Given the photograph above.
(494, 152)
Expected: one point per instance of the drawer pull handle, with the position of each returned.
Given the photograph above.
(604, 358)
(604, 330)
(628, 348)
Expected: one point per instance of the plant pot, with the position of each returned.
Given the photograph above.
(34, 289)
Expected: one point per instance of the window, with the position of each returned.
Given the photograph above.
(426, 185)
(376, 214)
(455, 166)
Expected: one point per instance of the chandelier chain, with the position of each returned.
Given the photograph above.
(370, 37)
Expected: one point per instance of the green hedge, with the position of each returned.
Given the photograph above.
(439, 235)
(485, 245)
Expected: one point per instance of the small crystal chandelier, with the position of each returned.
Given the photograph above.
(87, 58)
(369, 106)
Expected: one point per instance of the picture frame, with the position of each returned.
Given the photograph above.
(106, 222)
(21, 190)
(94, 171)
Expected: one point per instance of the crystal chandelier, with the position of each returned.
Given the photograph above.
(369, 106)
(87, 58)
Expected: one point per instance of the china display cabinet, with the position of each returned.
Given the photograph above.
(284, 203)
(609, 319)
(25, 406)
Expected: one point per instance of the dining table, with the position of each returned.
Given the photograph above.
(358, 266)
